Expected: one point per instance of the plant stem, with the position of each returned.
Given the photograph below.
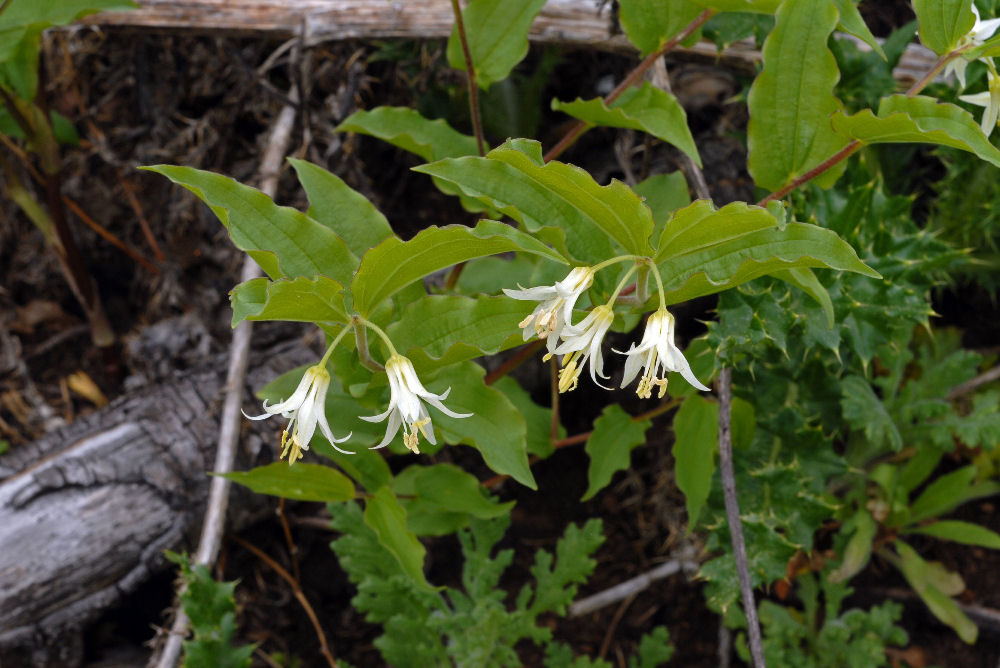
(512, 363)
(580, 127)
(470, 71)
(733, 517)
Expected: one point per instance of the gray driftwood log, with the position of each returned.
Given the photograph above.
(87, 511)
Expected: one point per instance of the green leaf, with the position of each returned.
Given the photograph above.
(918, 119)
(645, 108)
(436, 330)
(943, 23)
(344, 210)
(792, 99)
(739, 260)
(538, 418)
(859, 547)
(960, 532)
(758, 6)
(699, 226)
(388, 520)
(663, 194)
(805, 280)
(497, 35)
(696, 427)
(496, 428)
(948, 492)
(922, 576)
(650, 23)
(452, 488)
(19, 15)
(301, 299)
(557, 194)
(407, 129)
(394, 264)
(863, 409)
(301, 482)
(610, 446)
(655, 649)
(851, 22)
(272, 235)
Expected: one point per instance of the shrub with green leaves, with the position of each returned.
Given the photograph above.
(821, 284)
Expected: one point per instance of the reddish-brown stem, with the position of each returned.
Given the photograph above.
(554, 391)
(470, 71)
(853, 147)
(514, 361)
(108, 236)
(293, 550)
(580, 127)
(143, 223)
(303, 601)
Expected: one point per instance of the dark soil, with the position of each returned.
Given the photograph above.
(198, 101)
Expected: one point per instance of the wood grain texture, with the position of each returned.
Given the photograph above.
(87, 511)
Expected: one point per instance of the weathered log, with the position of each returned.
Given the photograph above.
(87, 511)
(574, 23)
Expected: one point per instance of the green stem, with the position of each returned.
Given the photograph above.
(470, 71)
(336, 340)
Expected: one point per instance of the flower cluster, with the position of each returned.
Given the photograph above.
(551, 320)
(990, 98)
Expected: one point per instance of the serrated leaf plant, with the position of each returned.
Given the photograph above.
(820, 285)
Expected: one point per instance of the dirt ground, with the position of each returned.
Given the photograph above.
(208, 102)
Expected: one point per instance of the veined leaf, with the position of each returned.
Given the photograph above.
(700, 226)
(496, 429)
(650, 23)
(394, 264)
(852, 22)
(943, 22)
(610, 447)
(407, 129)
(663, 194)
(804, 279)
(696, 427)
(301, 482)
(948, 492)
(318, 299)
(440, 330)
(497, 34)
(960, 532)
(388, 520)
(734, 262)
(918, 119)
(645, 108)
(925, 580)
(554, 194)
(452, 488)
(269, 233)
(792, 99)
(859, 547)
(341, 208)
(538, 418)
(758, 6)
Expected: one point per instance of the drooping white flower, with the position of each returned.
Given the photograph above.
(582, 342)
(657, 354)
(991, 100)
(307, 409)
(556, 308)
(405, 407)
(981, 31)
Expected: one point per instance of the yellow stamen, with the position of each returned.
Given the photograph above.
(569, 376)
(290, 447)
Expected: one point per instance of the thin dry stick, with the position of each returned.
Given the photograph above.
(630, 587)
(470, 71)
(970, 385)
(143, 223)
(299, 595)
(229, 422)
(733, 516)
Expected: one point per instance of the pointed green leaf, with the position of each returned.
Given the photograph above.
(852, 22)
(948, 492)
(452, 488)
(496, 429)
(301, 299)
(538, 418)
(341, 208)
(663, 194)
(645, 108)
(804, 279)
(758, 6)
(437, 330)
(20, 15)
(859, 547)
(394, 264)
(921, 576)
(960, 532)
(700, 226)
(557, 194)
(739, 260)
(407, 129)
(792, 99)
(943, 23)
(696, 429)
(388, 520)
(301, 482)
(497, 35)
(863, 409)
(610, 446)
(272, 235)
(918, 119)
(650, 23)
